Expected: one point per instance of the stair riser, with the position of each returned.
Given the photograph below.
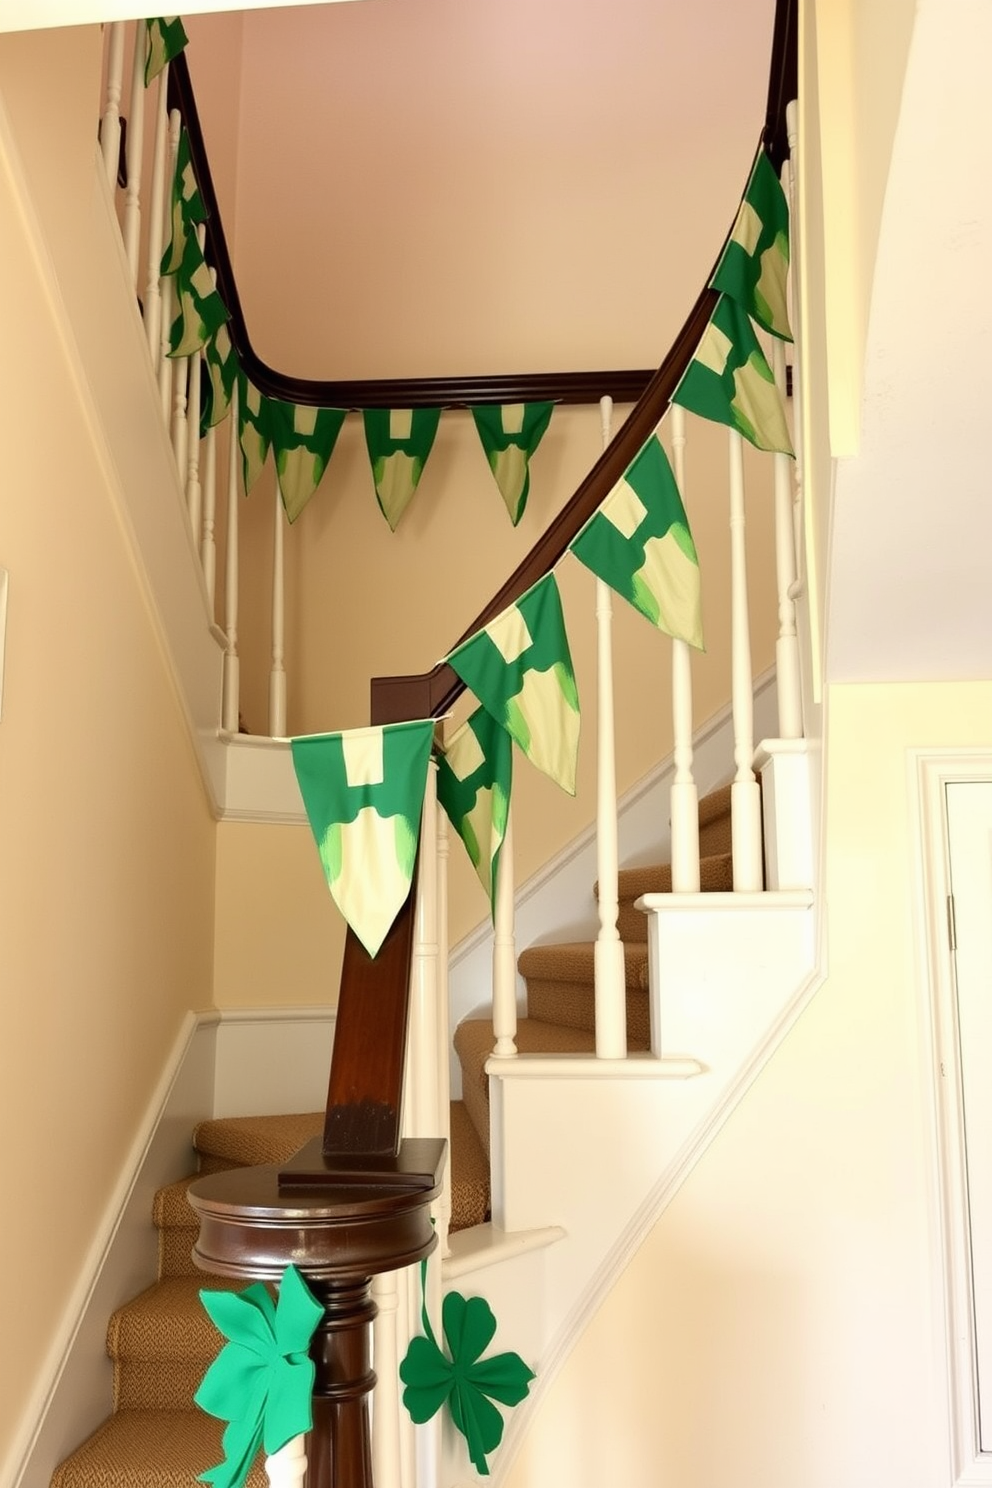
(573, 1005)
(157, 1384)
(175, 1251)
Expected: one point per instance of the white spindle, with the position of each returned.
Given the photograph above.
(232, 662)
(156, 221)
(442, 1206)
(790, 705)
(504, 953)
(745, 796)
(110, 124)
(194, 491)
(287, 1468)
(386, 1408)
(208, 545)
(179, 378)
(609, 969)
(133, 152)
(172, 374)
(791, 182)
(277, 675)
(407, 1327)
(421, 1101)
(684, 797)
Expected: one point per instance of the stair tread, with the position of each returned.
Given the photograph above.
(168, 1320)
(575, 961)
(252, 1140)
(149, 1449)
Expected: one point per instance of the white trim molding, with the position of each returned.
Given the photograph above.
(931, 772)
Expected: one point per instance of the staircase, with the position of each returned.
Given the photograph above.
(162, 1341)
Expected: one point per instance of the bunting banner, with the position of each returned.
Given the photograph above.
(510, 433)
(187, 206)
(217, 388)
(254, 434)
(303, 440)
(399, 441)
(520, 668)
(639, 543)
(754, 266)
(201, 310)
(364, 792)
(730, 382)
(164, 39)
(473, 786)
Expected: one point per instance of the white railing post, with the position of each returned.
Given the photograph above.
(133, 151)
(608, 966)
(442, 1206)
(171, 373)
(505, 953)
(787, 676)
(110, 124)
(684, 795)
(208, 545)
(156, 221)
(277, 674)
(232, 662)
(386, 1406)
(420, 1103)
(287, 1468)
(745, 794)
(194, 492)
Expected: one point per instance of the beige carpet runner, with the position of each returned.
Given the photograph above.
(162, 1341)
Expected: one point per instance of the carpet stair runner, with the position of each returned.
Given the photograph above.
(162, 1341)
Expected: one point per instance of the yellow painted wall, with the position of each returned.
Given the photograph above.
(106, 840)
(779, 1326)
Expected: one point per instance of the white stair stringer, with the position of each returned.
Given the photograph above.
(601, 1164)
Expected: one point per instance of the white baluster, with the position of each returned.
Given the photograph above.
(420, 1106)
(156, 221)
(442, 1205)
(745, 795)
(194, 492)
(172, 373)
(790, 704)
(407, 1327)
(179, 378)
(133, 151)
(684, 795)
(232, 662)
(790, 181)
(277, 675)
(287, 1468)
(505, 953)
(386, 1405)
(208, 546)
(609, 969)
(110, 124)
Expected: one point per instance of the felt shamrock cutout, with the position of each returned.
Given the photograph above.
(466, 1380)
(261, 1382)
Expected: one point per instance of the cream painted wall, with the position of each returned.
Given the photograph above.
(106, 841)
(781, 1324)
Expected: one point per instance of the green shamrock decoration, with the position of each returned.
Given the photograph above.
(466, 1379)
(261, 1382)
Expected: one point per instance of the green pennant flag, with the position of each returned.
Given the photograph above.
(363, 792)
(187, 206)
(639, 542)
(201, 310)
(254, 433)
(261, 1382)
(520, 668)
(303, 440)
(217, 388)
(164, 39)
(730, 382)
(510, 434)
(473, 786)
(755, 263)
(399, 441)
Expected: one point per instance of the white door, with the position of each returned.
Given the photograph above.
(969, 828)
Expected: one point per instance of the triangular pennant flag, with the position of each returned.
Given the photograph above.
(217, 388)
(755, 263)
(399, 441)
(201, 310)
(303, 440)
(639, 542)
(510, 433)
(254, 433)
(473, 786)
(164, 39)
(187, 206)
(520, 669)
(363, 792)
(729, 381)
